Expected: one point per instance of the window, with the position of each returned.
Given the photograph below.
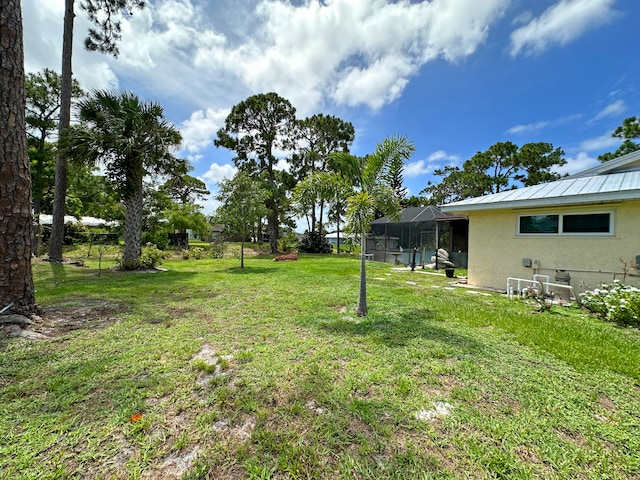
(566, 224)
(592, 223)
(539, 224)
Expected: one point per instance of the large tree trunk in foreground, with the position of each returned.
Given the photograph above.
(16, 282)
(60, 193)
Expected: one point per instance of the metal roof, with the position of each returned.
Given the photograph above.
(418, 214)
(617, 179)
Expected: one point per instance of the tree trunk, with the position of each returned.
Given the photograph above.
(133, 229)
(60, 193)
(362, 300)
(242, 253)
(312, 228)
(16, 281)
(320, 217)
(338, 234)
(272, 221)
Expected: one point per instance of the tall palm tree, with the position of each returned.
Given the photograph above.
(372, 193)
(131, 138)
(103, 37)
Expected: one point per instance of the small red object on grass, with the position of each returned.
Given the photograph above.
(135, 417)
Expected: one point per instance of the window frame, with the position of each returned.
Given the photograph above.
(561, 233)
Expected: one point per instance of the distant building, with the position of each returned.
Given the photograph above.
(215, 231)
(46, 219)
(332, 238)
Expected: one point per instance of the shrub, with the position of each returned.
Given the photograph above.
(192, 252)
(159, 239)
(286, 258)
(151, 256)
(74, 233)
(217, 248)
(314, 242)
(286, 243)
(614, 302)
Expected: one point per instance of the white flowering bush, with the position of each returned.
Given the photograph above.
(615, 302)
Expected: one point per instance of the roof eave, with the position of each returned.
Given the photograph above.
(544, 202)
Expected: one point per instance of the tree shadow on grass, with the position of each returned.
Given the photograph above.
(398, 329)
(58, 270)
(250, 270)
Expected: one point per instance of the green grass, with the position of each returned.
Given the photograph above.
(267, 373)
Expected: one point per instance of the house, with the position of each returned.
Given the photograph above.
(215, 231)
(584, 229)
(424, 228)
(332, 238)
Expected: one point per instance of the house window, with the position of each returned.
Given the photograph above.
(600, 223)
(539, 224)
(591, 223)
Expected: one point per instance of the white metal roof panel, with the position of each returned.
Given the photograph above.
(576, 190)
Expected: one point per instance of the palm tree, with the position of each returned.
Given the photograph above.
(131, 138)
(319, 187)
(372, 193)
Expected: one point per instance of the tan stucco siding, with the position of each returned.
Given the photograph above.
(496, 251)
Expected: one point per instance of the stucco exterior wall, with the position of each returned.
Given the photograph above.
(496, 250)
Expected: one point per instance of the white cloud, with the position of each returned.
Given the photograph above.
(217, 173)
(100, 76)
(440, 155)
(578, 163)
(209, 206)
(529, 128)
(42, 22)
(376, 85)
(283, 165)
(435, 160)
(201, 128)
(600, 143)
(560, 24)
(613, 109)
(352, 52)
(523, 18)
(415, 169)
(537, 126)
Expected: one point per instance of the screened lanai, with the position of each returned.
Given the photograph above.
(424, 228)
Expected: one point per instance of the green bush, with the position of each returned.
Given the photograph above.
(73, 233)
(192, 252)
(287, 243)
(159, 239)
(217, 248)
(614, 302)
(314, 242)
(151, 256)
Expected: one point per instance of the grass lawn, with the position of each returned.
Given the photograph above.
(208, 371)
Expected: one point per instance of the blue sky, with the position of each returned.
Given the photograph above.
(455, 76)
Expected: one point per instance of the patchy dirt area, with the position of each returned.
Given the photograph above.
(56, 320)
